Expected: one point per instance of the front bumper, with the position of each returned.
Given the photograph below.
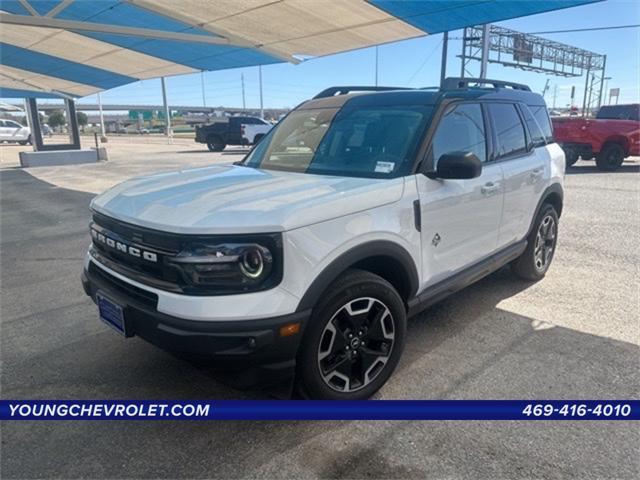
(255, 347)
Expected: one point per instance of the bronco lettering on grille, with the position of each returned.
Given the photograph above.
(123, 247)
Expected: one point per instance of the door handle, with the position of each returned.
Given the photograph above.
(489, 188)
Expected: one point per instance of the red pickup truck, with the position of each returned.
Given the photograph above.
(610, 137)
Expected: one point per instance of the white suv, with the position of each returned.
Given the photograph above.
(359, 209)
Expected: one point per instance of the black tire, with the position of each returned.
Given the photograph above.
(215, 144)
(610, 157)
(534, 262)
(23, 142)
(340, 326)
(257, 138)
(571, 156)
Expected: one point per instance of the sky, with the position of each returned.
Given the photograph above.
(412, 63)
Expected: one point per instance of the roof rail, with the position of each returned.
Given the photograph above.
(333, 91)
(455, 83)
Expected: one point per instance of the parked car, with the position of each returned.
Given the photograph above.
(361, 208)
(12, 131)
(232, 131)
(611, 137)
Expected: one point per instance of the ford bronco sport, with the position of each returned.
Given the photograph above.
(359, 209)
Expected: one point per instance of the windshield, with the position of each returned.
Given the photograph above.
(375, 141)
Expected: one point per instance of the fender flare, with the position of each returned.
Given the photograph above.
(356, 254)
(553, 189)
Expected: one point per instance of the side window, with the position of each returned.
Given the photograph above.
(541, 115)
(461, 129)
(537, 137)
(509, 130)
(2, 123)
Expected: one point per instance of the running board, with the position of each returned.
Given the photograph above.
(464, 278)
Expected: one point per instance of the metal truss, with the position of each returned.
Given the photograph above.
(536, 54)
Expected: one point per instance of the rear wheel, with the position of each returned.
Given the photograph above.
(257, 138)
(354, 340)
(215, 144)
(541, 245)
(610, 157)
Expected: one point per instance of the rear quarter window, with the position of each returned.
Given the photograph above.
(541, 115)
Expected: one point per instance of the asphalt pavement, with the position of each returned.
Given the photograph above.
(573, 335)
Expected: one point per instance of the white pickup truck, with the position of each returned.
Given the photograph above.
(253, 132)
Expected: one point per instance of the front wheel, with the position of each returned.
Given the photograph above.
(610, 158)
(541, 245)
(571, 156)
(215, 144)
(354, 340)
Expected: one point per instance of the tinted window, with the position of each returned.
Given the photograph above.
(12, 124)
(461, 129)
(619, 112)
(537, 137)
(541, 115)
(508, 129)
(2, 124)
(374, 141)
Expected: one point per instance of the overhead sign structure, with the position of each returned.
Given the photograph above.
(73, 48)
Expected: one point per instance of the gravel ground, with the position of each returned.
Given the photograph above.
(573, 335)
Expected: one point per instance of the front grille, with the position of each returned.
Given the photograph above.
(151, 264)
(142, 296)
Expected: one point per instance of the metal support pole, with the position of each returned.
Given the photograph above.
(604, 65)
(204, 98)
(486, 28)
(443, 64)
(376, 65)
(464, 51)
(260, 79)
(586, 88)
(167, 113)
(103, 135)
(244, 104)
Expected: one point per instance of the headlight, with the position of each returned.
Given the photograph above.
(227, 267)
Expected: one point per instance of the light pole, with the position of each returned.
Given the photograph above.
(606, 90)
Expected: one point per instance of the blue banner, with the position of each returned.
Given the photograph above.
(320, 410)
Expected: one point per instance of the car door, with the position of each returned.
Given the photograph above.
(4, 131)
(14, 130)
(523, 166)
(460, 218)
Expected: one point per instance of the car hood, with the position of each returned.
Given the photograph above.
(234, 199)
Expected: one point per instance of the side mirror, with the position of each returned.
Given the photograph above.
(458, 166)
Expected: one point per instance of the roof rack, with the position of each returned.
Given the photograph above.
(333, 91)
(455, 83)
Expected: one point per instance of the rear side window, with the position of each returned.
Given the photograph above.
(537, 137)
(619, 112)
(461, 129)
(509, 130)
(541, 115)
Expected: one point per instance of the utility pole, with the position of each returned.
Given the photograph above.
(486, 29)
(103, 136)
(555, 94)
(204, 98)
(244, 104)
(260, 79)
(443, 64)
(376, 65)
(167, 113)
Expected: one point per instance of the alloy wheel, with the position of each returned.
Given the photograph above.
(545, 243)
(356, 344)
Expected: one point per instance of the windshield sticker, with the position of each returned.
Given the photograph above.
(385, 167)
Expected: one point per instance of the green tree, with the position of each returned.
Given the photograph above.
(56, 119)
(82, 119)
